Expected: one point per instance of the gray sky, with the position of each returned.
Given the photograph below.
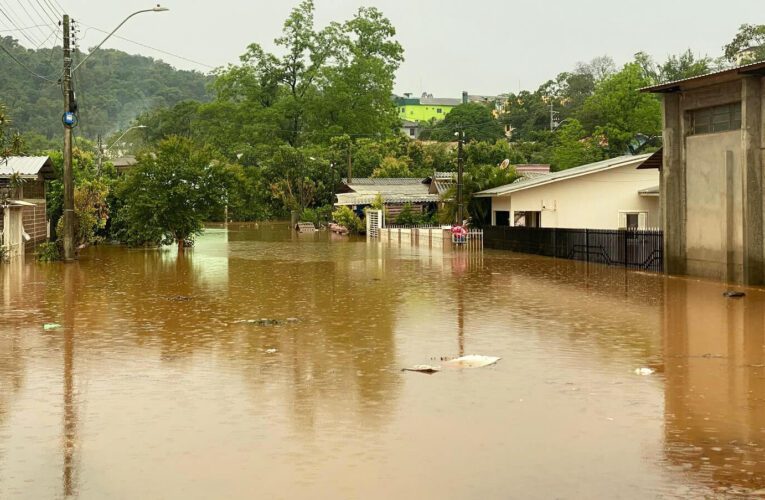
(483, 46)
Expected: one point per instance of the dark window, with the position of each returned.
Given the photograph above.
(528, 219)
(439, 110)
(633, 221)
(501, 218)
(716, 119)
(411, 132)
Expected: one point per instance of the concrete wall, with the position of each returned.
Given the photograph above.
(712, 185)
(714, 220)
(35, 223)
(592, 201)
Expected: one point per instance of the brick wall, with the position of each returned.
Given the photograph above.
(35, 223)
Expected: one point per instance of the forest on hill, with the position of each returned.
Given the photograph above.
(112, 88)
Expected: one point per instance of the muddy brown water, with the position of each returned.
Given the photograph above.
(163, 382)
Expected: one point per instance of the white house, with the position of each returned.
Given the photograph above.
(610, 194)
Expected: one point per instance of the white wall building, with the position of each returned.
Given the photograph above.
(611, 194)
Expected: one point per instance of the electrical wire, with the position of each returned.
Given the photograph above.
(52, 18)
(30, 16)
(23, 32)
(22, 29)
(7, 52)
(150, 47)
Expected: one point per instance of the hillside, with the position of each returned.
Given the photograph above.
(112, 88)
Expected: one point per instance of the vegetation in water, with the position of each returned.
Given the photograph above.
(48, 252)
(345, 217)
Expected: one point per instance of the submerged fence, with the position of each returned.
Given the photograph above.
(432, 236)
(637, 249)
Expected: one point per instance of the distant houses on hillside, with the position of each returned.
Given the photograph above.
(414, 111)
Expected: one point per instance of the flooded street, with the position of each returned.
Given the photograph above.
(163, 382)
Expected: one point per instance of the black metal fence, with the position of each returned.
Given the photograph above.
(638, 249)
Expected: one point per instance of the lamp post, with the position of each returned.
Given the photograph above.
(69, 121)
(101, 150)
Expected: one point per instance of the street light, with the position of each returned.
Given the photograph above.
(69, 120)
(101, 150)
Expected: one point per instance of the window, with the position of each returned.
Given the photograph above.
(439, 110)
(632, 220)
(501, 218)
(411, 132)
(528, 219)
(716, 119)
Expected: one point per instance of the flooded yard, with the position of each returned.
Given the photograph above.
(157, 376)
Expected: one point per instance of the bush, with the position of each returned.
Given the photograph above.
(348, 219)
(48, 252)
(318, 215)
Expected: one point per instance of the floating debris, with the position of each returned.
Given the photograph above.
(733, 294)
(51, 326)
(644, 371)
(473, 361)
(263, 321)
(271, 351)
(422, 369)
(179, 298)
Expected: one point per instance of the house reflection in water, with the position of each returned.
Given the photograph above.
(715, 384)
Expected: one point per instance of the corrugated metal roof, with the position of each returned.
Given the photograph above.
(732, 72)
(440, 101)
(368, 199)
(27, 166)
(562, 175)
(385, 181)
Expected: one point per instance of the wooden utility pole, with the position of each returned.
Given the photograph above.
(350, 163)
(66, 82)
(460, 207)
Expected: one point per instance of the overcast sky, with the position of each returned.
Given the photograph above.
(483, 46)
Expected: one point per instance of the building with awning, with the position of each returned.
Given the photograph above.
(423, 194)
(22, 186)
(711, 174)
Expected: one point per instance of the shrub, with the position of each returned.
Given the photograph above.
(348, 219)
(48, 252)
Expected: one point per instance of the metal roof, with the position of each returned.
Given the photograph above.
(385, 181)
(697, 81)
(26, 166)
(369, 198)
(651, 191)
(570, 173)
(440, 101)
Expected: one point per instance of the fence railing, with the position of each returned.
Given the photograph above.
(637, 249)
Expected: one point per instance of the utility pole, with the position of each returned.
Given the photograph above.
(460, 208)
(66, 82)
(100, 155)
(552, 117)
(350, 163)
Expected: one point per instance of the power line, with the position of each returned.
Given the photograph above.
(13, 23)
(152, 48)
(31, 17)
(23, 29)
(2, 47)
(53, 18)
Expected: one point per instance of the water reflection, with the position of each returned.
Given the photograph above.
(164, 370)
(715, 384)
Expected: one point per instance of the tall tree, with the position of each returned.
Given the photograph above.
(476, 120)
(748, 45)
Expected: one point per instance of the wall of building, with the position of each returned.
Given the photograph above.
(591, 201)
(423, 113)
(714, 218)
(35, 223)
(712, 185)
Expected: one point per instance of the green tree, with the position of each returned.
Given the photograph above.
(573, 147)
(749, 44)
(393, 167)
(476, 120)
(617, 112)
(168, 195)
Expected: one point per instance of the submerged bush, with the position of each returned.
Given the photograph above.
(348, 219)
(48, 252)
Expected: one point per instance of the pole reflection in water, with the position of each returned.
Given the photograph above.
(715, 385)
(71, 290)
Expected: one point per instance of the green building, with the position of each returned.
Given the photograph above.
(425, 108)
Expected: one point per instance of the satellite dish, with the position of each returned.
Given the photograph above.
(505, 163)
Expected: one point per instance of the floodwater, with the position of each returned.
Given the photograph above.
(162, 382)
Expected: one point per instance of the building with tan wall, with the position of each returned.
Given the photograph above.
(29, 196)
(611, 194)
(711, 175)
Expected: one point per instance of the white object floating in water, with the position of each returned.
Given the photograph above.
(473, 361)
(51, 326)
(270, 351)
(644, 371)
(422, 369)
